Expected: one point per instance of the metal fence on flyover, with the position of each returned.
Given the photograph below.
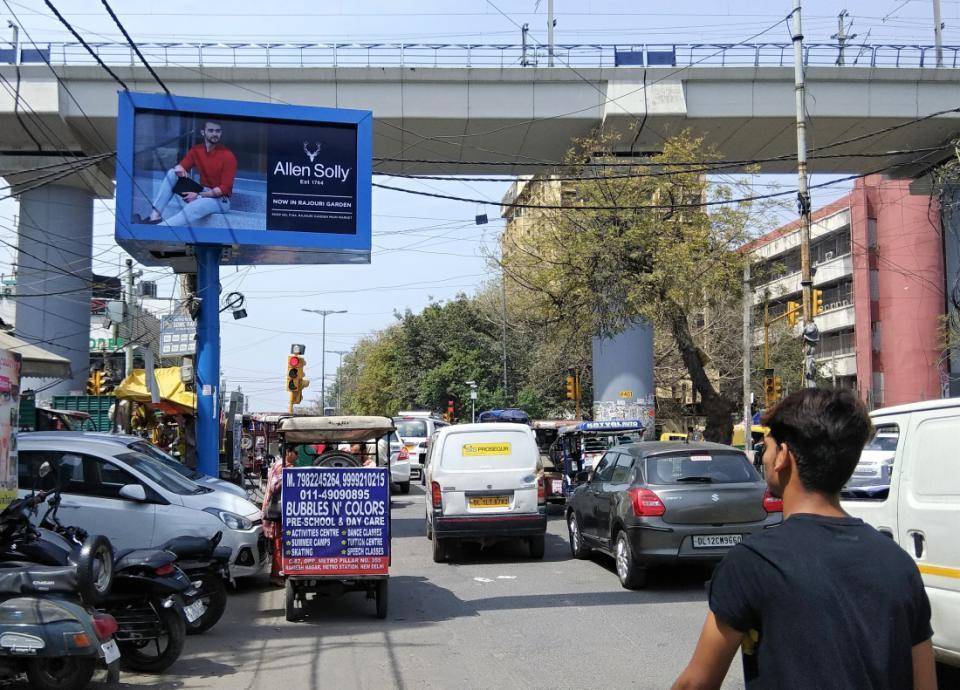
(478, 55)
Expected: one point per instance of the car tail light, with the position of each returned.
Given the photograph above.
(105, 625)
(165, 570)
(646, 503)
(403, 455)
(541, 490)
(437, 498)
(771, 503)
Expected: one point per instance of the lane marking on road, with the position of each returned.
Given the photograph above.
(483, 579)
(506, 577)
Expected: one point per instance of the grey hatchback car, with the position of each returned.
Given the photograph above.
(657, 502)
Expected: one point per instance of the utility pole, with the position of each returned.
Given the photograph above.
(323, 350)
(938, 32)
(524, 30)
(550, 33)
(841, 35)
(339, 377)
(810, 334)
(503, 335)
(129, 310)
(747, 352)
(15, 41)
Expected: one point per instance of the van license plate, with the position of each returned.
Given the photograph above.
(556, 486)
(110, 651)
(714, 541)
(489, 502)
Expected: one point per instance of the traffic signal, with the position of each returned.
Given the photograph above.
(451, 410)
(99, 383)
(793, 311)
(777, 388)
(773, 389)
(295, 381)
(571, 387)
(816, 302)
(93, 383)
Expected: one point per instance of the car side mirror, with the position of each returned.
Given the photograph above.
(133, 492)
(582, 476)
(45, 469)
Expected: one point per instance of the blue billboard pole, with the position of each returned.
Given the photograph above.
(208, 359)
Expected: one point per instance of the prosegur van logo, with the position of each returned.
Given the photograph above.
(317, 170)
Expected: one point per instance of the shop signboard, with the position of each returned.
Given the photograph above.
(9, 423)
(336, 521)
(271, 183)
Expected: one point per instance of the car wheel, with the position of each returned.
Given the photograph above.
(405, 487)
(429, 531)
(577, 548)
(439, 549)
(537, 546)
(632, 576)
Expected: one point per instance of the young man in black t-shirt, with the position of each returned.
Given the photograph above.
(823, 600)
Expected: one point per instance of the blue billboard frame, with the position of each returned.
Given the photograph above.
(164, 245)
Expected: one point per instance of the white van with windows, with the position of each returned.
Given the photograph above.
(414, 427)
(485, 484)
(908, 487)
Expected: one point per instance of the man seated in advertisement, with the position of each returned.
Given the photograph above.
(217, 167)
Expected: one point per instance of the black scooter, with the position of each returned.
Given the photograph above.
(207, 564)
(151, 598)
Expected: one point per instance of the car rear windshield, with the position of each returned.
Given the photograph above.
(489, 451)
(700, 468)
(412, 428)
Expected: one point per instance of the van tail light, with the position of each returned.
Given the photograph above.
(646, 503)
(435, 493)
(105, 625)
(403, 455)
(541, 491)
(771, 503)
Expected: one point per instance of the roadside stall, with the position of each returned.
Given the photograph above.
(579, 446)
(168, 420)
(335, 512)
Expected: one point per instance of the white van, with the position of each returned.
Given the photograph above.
(486, 485)
(921, 510)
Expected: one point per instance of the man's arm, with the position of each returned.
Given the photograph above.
(711, 659)
(924, 667)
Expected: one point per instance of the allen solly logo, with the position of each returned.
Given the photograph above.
(311, 154)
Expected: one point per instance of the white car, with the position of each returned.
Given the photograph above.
(413, 429)
(486, 485)
(136, 501)
(399, 464)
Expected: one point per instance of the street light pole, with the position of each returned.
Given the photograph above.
(339, 377)
(323, 350)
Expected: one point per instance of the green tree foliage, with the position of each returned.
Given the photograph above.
(655, 253)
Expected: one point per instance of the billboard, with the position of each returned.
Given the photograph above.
(623, 386)
(275, 184)
(9, 423)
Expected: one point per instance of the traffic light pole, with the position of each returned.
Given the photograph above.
(208, 360)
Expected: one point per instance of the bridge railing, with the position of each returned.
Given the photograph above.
(486, 55)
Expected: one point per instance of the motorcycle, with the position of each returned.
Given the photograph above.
(152, 599)
(207, 564)
(46, 630)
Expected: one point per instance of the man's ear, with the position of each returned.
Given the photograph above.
(785, 458)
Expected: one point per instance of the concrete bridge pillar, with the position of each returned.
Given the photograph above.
(54, 277)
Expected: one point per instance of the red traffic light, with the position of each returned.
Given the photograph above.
(293, 362)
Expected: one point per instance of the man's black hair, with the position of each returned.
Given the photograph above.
(826, 429)
(211, 121)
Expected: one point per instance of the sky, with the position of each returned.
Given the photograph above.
(424, 249)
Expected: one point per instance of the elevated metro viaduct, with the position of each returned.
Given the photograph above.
(458, 119)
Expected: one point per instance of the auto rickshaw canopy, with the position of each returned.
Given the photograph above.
(339, 429)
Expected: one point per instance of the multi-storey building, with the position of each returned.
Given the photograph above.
(877, 255)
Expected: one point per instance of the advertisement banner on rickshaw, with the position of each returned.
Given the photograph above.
(336, 521)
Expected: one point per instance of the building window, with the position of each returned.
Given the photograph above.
(837, 343)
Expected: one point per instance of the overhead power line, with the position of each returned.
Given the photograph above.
(133, 45)
(90, 50)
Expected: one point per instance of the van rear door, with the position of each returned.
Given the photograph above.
(928, 515)
(488, 472)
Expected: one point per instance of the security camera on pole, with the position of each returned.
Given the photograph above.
(473, 400)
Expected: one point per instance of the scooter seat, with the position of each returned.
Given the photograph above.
(148, 558)
(31, 578)
(189, 547)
